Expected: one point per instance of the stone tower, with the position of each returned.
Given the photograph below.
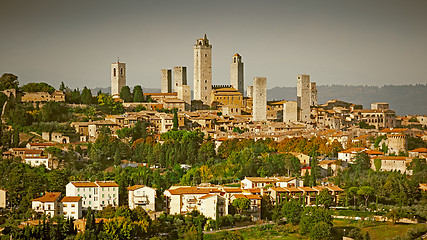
(166, 81)
(397, 143)
(118, 78)
(179, 77)
(250, 91)
(259, 109)
(303, 97)
(236, 74)
(203, 70)
(313, 94)
(290, 112)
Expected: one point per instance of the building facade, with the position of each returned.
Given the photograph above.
(95, 195)
(179, 77)
(166, 80)
(303, 97)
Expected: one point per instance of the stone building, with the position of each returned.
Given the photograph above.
(236, 73)
(203, 70)
(184, 93)
(250, 91)
(118, 78)
(313, 94)
(259, 112)
(166, 81)
(290, 112)
(303, 97)
(397, 143)
(179, 78)
(226, 95)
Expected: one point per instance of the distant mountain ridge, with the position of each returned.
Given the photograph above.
(404, 99)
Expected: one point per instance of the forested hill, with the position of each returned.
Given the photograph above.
(404, 99)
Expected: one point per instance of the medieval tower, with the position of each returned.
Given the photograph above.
(313, 94)
(236, 75)
(179, 77)
(303, 97)
(166, 81)
(203, 70)
(118, 78)
(259, 108)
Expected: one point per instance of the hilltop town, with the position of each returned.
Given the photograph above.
(186, 162)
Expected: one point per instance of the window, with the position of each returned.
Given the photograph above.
(114, 195)
(90, 202)
(121, 72)
(206, 55)
(102, 195)
(73, 205)
(65, 205)
(114, 72)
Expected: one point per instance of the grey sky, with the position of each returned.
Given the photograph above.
(336, 42)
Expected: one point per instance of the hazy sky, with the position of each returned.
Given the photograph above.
(336, 42)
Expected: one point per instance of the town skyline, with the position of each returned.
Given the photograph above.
(370, 44)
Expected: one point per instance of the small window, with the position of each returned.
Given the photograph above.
(121, 72)
(114, 72)
(206, 55)
(73, 205)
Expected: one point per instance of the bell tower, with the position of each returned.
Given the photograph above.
(118, 78)
(236, 73)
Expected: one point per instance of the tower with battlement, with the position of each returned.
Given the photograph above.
(236, 73)
(303, 97)
(259, 109)
(202, 70)
(118, 78)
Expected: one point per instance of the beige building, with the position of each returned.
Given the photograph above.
(142, 196)
(392, 163)
(118, 78)
(290, 112)
(166, 81)
(3, 198)
(72, 207)
(179, 77)
(48, 204)
(225, 95)
(303, 97)
(212, 206)
(56, 96)
(259, 109)
(203, 70)
(419, 152)
(236, 74)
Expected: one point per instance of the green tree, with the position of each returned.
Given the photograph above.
(325, 198)
(353, 192)
(125, 94)
(241, 204)
(377, 163)
(62, 87)
(312, 216)
(321, 231)
(292, 211)
(362, 161)
(175, 120)
(8, 81)
(38, 87)
(138, 95)
(366, 192)
(86, 96)
(108, 105)
(55, 112)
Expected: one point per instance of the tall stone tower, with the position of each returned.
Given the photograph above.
(259, 109)
(203, 70)
(250, 91)
(303, 97)
(313, 94)
(118, 78)
(236, 73)
(166, 79)
(179, 77)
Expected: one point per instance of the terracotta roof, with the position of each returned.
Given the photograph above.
(270, 179)
(48, 197)
(335, 188)
(396, 158)
(189, 190)
(319, 188)
(84, 184)
(307, 189)
(107, 184)
(134, 187)
(419, 150)
(41, 144)
(232, 190)
(374, 152)
(252, 196)
(207, 196)
(394, 130)
(71, 199)
(239, 195)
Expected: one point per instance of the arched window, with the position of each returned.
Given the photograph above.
(121, 72)
(114, 72)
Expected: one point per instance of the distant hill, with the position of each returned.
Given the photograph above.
(404, 99)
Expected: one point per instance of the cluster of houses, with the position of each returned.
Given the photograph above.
(33, 154)
(211, 201)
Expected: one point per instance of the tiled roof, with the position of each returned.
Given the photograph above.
(335, 188)
(394, 130)
(107, 184)
(134, 187)
(419, 150)
(84, 184)
(71, 199)
(48, 197)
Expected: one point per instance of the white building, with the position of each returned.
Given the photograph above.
(95, 195)
(72, 207)
(142, 196)
(212, 205)
(261, 182)
(48, 204)
(36, 161)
